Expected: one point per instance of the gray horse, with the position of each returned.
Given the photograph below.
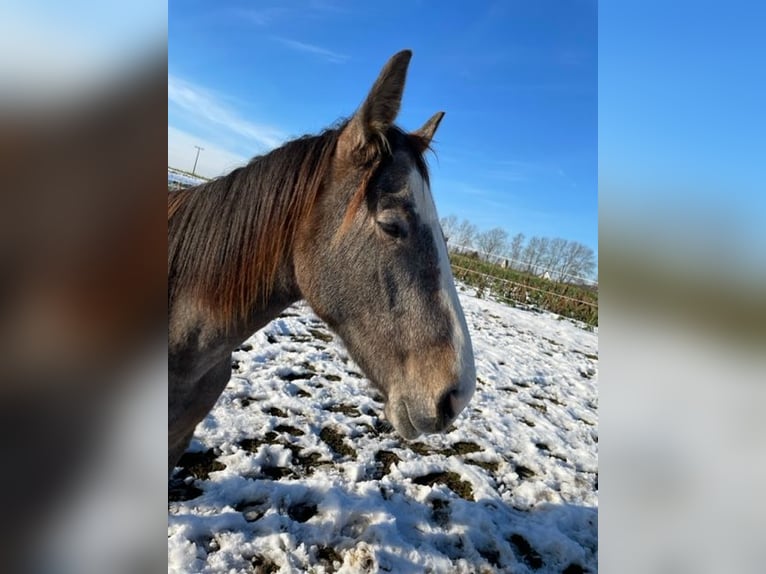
(345, 220)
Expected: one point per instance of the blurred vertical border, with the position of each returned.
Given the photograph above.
(682, 241)
(83, 112)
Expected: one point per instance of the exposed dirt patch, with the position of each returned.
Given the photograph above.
(384, 460)
(574, 569)
(328, 557)
(307, 463)
(263, 565)
(334, 378)
(336, 441)
(420, 448)
(449, 479)
(321, 335)
(347, 410)
(276, 412)
(200, 464)
(179, 490)
(295, 375)
(291, 430)
(461, 447)
(490, 467)
(523, 471)
(253, 444)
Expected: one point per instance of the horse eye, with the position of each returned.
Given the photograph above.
(395, 229)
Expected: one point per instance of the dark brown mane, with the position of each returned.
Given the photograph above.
(227, 237)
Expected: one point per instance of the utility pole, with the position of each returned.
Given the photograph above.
(194, 169)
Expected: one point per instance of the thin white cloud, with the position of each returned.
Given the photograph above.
(329, 55)
(204, 107)
(213, 159)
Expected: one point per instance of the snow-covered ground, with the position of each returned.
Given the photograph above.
(183, 179)
(295, 470)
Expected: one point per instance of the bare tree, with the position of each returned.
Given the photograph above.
(578, 261)
(515, 249)
(532, 255)
(449, 226)
(492, 242)
(554, 255)
(465, 234)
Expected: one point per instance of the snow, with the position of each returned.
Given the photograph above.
(304, 475)
(183, 179)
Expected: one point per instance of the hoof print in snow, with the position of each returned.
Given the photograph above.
(302, 511)
(275, 412)
(336, 441)
(491, 555)
(528, 555)
(334, 378)
(449, 479)
(247, 347)
(440, 512)
(200, 464)
(574, 569)
(250, 511)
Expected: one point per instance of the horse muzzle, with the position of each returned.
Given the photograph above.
(411, 418)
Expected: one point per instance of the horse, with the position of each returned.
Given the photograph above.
(346, 221)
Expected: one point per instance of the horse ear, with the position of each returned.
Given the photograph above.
(425, 134)
(380, 108)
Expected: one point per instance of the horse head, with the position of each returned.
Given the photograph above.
(372, 262)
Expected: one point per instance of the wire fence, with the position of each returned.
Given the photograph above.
(505, 261)
(527, 290)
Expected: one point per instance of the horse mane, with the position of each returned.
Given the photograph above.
(227, 237)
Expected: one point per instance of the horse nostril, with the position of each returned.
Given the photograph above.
(448, 406)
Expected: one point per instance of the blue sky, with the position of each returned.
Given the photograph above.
(518, 81)
(682, 129)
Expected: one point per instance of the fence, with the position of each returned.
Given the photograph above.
(505, 261)
(522, 289)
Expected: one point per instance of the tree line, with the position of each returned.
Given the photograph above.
(562, 259)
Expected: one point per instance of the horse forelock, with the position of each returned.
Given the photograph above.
(382, 146)
(228, 237)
